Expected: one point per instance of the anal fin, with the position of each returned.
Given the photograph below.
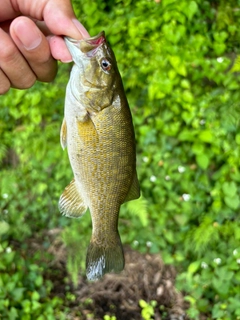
(71, 203)
(134, 191)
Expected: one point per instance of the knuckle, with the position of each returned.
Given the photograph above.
(28, 82)
(44, 59)
(8, 53)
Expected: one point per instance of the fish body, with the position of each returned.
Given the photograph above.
(98, 132)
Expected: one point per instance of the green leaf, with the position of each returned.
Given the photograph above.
(138, 207)
(206, 136)
(238, 135)
(191, 9)
(4, 227)
(185, 84)
(194, 266)
(232, 202)
(236, 68)
(229, 188)
(198, 148)
(167, 2)
(219, 48)
(13, 314)
(178, 65)
(202, 160)
(39, 281)
(220, 36)
(143, 303)
(26, 304)
(36, 305)
(187, 96)
(187, 135)
(35, 295)
(17, 293)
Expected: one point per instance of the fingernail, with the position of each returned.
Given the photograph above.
(66, 61)
(81, 28)
(30, 40)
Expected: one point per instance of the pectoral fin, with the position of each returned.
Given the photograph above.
(87, 131)
(63, 134)
(71, 203)
(134, 191)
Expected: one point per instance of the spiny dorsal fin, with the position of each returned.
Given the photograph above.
(63, 134)
(70, 203)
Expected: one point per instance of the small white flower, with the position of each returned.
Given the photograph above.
(5, 196)
(220, 59)
(204, 265)
(235, 252)
(145, 159)
(186, 197)
(217, 260)
(149, 244)
(181, 169)
(135, 243)
(202, 122)
(167, 178)
(153, 178)
(8, 250)
(238, 261)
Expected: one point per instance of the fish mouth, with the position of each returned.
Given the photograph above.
(88, 46)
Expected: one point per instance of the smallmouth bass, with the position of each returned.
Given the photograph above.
(98, 132)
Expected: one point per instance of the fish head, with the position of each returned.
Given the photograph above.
(98, 72)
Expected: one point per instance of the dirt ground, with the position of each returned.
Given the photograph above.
(144, 277)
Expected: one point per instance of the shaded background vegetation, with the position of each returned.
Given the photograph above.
(180, 67)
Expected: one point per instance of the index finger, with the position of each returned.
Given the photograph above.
(57, 14)
(7, 11)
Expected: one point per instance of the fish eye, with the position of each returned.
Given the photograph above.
(105, 64)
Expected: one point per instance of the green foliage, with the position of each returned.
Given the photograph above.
(216, 278)
(23, 292)
(180, 66)
(29, 188)
(107, 317)
(74, 238)
(147, 311)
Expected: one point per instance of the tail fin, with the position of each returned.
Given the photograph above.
(104, 259)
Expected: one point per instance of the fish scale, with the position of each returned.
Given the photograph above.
(98, 132)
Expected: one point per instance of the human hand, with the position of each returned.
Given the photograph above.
(30, 40)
